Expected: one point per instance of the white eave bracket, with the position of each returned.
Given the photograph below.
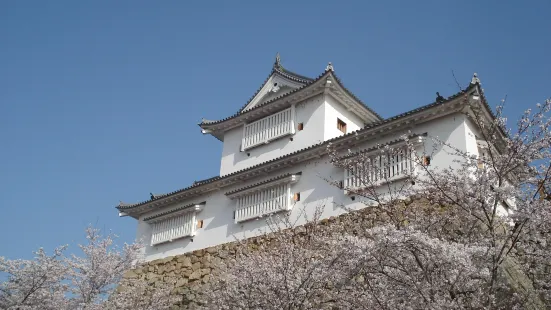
(286, 179)
(175, 212)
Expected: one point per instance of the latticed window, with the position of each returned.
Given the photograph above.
(373, 167)
(173, 228)
(264, 198)
(269, 128)
(379, 168)
(263, 202)
(174, 224)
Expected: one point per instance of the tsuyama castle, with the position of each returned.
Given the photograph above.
(275, 159)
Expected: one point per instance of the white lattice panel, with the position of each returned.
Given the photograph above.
(173, 228)
(268, 128)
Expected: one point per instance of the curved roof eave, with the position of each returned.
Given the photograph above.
(208, 124)
(205, 123)
(277, 68)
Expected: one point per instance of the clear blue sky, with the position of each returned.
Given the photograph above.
(100, 100)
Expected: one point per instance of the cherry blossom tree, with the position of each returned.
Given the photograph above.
(92, 280)
(34, 284)
(476, 234)
(316, 267)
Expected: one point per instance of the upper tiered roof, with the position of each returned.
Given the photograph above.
(283, 88)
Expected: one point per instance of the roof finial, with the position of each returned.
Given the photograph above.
(329, 67)
(475, 79)
(439, 98)
(277, 61)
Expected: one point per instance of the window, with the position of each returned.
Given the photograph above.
(263, 202)
(341, 125)
(269, 128)
(173, 228)
(300, 126)
(426, 160)
(264, 198)
(483, 151)
(177, 223)
(376, 169)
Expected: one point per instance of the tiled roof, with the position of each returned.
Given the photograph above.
(188, 206)
(240, 112)
(321, 76)
(354, 96)
(124, 206)
(291, 75)
(262, 182)
(288, 74)
(205, 180)
(371, 149)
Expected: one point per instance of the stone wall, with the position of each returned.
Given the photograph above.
(191, 272)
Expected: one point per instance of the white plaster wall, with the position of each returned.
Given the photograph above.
(217, 215)
(471, 132)
(219, 226)
(450, 129)
(334, 110)
(309, 112)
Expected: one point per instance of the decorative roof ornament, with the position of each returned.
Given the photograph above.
(475, 79)
(154, 196)
(439, 98)
(275, 88)
(277, 63)
(329, 67)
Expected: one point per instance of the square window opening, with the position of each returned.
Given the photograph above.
(341, 125)
(426, 160)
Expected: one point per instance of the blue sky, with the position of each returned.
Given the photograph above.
(100, 100)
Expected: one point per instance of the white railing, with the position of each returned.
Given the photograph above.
(173, 228)
(268, 128)
(378, 169)
(263, 202)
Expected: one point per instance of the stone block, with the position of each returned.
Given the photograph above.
(195, 266)
(195, 275)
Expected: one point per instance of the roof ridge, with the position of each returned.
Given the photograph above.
(266, 102)
(352, 95)
(279, 67)
(293, 75)
(319, 77)
(285, 73)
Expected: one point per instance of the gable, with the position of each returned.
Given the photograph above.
(276, 85)
(279, 83)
